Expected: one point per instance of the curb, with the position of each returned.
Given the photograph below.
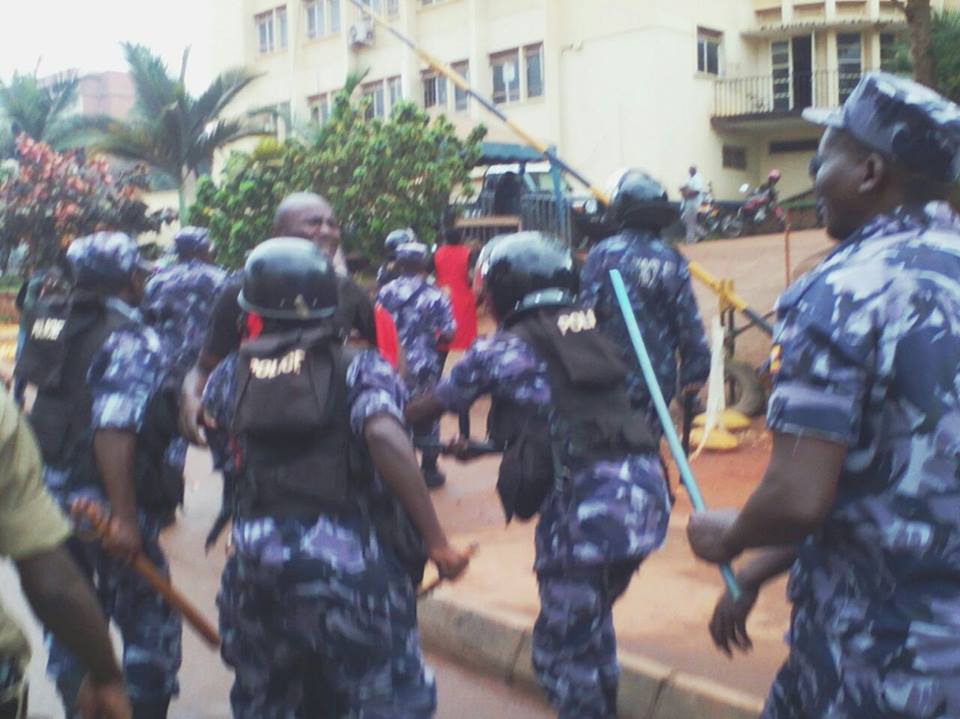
(500, 645)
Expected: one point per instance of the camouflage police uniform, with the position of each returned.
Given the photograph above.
(313, 610)
(658, 283)
(422, 313)
(589, 539)
(123, 375)
(177, 304)
(865, 355)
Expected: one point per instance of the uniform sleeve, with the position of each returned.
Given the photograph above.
(373, 388)
(822, 353)
(469, 379)
(219, 390)
(691, 340)
(223, 333)
(123, 376)
(445, 320)
(590, 281)
(30, 521)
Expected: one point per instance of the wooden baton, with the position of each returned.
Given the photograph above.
(93, 513)
(429, 588)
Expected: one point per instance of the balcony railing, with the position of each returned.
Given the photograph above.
(781, 93)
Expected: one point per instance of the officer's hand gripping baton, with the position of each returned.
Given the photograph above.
(696, 499)
(93, 514)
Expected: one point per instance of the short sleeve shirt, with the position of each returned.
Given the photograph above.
(866, 354)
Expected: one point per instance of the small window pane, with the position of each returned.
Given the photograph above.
(395, 91)
(534, 60)
(506, 77)
(281, 13)
(334, 7)
(461, 100)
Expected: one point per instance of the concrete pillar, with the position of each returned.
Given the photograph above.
(830, 9)
(295, 29)
(553, 42)
(833, 74)
(480, 77)
(786, 11)
(410, 65)
(873, 10)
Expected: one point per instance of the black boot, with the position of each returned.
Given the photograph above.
(151, 710)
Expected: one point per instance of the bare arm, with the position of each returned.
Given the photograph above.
(395, 460)
(423, 409)
(795, 496)
(64, 603)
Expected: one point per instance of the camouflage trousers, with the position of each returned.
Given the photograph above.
(822, 678)
(574, 644)
(311, 637)
(150, 629)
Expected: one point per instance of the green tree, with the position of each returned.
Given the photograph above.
(377, 174)
(945, 52)
(170, 130)
(42, 110)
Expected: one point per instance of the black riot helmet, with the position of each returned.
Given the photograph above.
(524, 271)
(397, 238)
(637, 200)
(288, 278)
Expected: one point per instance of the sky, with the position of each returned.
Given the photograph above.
(86, 35)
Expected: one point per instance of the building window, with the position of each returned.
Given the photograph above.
(374, 91)
(265, 36)
(461, 100)
(849, 62)
(533, 59)
(394, 91)
(889, 46)
(271, 30)
(734, 158)
(281, 17)
(393, 7)
(316, 19)
(333, 6)
(424, 3)
(708, 51)
(434, 90)
(319, 108)
(780, 61)
(506, 76)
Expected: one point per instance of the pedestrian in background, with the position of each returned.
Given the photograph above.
(453, 270)
(693, 192)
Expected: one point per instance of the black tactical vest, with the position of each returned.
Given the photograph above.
(63, 335)
(300, 457)
(590, 417)
(291, 412)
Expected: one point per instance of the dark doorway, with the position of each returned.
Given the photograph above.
(802, 48)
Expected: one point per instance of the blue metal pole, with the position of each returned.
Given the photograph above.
(696, 499)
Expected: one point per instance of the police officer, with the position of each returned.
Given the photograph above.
(862, 483)
(177, 304)
(574, 450)
(97, 368)
(658, 283)
(424, 318)
(318, 606)
(305, 215)
(32, 533)
(387, 271)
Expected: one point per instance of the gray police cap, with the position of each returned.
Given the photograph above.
(901, 119)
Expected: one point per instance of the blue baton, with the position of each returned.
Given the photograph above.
(696, 499)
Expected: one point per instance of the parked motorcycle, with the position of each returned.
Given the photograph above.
(716, 219)
(755, 213)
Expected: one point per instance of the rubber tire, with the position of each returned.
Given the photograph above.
(753, 401)
(731, 227)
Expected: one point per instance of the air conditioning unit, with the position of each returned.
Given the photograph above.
(361, 34)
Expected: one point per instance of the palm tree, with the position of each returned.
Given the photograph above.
(170, 130)
(43, 111)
